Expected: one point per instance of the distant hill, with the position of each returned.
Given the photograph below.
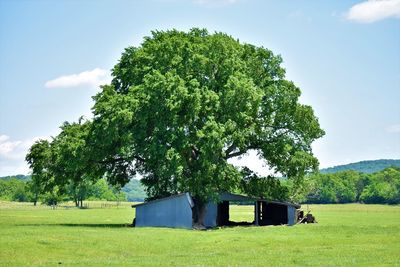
(367, 166)
(21, 177)
(134, 190)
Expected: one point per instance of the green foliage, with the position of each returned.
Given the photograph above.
(52, 197)
(60, 167)
(14, 189)
(21, 194)
(69, 159)
(20, 177)
(351, 186)
(101, 190)
(367, 166)
(384, 187)
(134, 191)
(265, 187)
(39, 159)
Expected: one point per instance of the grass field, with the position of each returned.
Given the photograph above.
(346, 235)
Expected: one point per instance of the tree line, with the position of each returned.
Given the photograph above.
(14, 189)
(382, 187)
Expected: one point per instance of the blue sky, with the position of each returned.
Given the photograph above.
(344, 55)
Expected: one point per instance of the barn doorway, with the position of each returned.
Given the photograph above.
(235, 213)
(272, 213)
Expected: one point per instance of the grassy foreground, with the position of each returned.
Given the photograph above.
(346, 235)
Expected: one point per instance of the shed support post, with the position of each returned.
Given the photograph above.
(256, 216)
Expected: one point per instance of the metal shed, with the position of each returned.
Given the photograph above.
(176, 211)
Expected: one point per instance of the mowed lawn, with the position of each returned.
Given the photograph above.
(346, 235)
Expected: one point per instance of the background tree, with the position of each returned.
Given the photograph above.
(69, 160)
(61, 169)
(384, 187)
(39, 160)
(268, 187)
(182, 104)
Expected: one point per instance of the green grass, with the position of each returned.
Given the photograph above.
(346, 235)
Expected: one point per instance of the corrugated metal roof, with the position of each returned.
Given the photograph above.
(297, 206)
(190, 200)
(223, 197)
(235, 197)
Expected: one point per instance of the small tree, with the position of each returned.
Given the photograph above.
(69, 157)
(39, 160)
(59, 167)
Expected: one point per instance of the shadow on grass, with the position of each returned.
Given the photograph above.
(118, 225)
(94, 225)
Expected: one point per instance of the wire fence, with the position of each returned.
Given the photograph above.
(67, 205)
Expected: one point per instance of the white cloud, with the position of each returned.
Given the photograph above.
(252, 161)
(12, 154)
(215, 3)
(395, 128)
(16, 149)
(7, 147)
(92, 78)
(374, 10)
(3, 138)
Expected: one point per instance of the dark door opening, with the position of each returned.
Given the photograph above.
(272, 213)
(223, 213)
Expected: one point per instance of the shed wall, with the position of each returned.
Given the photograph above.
(210, 218)
(291, 215)
(171, 212)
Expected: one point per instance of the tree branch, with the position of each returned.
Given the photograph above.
(235, 154)
(230, 149)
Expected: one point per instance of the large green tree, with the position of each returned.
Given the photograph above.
(183, 103)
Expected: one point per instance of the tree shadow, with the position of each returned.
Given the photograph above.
(108, 225)
(94, 225)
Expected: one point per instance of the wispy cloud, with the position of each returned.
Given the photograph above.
(299, 15)
(12, 154)
(92, 78)
(215, 3)
(7, 146)
(374, 10)
(395, 128)
(16, 149)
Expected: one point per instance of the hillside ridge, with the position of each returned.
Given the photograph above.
(365, 166)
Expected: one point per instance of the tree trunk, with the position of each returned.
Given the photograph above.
(35, 199)
(199, 212)
(81, 203)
